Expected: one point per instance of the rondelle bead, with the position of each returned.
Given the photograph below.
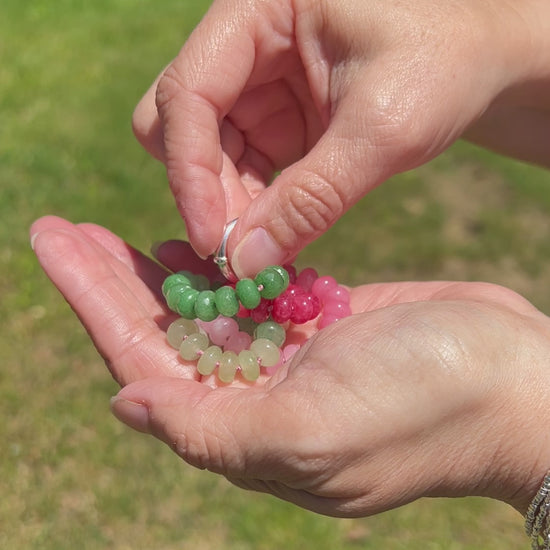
(221, 329)
(238, 341)
(209, 360)
(186, 303)
(281, 309)
(306, 278)
(175, 280)
(173, 295)
(261, 313)
(226, 301)
(205, 306)
(266, 351)
(178, 330)
(271, 282)
(192, 347)
(284, 274)
(228, 364)
(250, 368)
(323, 285)
(248, 293)
(201, 282)
(272, 331)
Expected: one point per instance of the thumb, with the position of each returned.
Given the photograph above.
(308, 197)
(231, 431)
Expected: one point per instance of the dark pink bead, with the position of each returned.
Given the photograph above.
(282, 308)
(294, 290)
(261, 313)
(323, 285)
(243, 312)
(337, 294)
(302, 309)
(291, 270)
(315, 305)
(306, 278)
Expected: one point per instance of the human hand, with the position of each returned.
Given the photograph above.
(429, 389)
(339, 95)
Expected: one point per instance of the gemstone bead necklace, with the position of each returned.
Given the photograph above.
(241, 327)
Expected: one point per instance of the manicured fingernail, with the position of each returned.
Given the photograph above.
(33, 238)
(256, 251)
(135, 415)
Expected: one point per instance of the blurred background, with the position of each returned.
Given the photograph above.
(71, 72)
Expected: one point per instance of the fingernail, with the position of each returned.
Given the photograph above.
(256, 251)
(135, 415)
(33, 238)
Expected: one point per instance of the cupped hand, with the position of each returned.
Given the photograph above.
(428, 389)
(339, 96)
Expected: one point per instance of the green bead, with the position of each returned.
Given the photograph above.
(205, 306)
(284, 274)
(228, 366)
(271, 283)
(209, 360)
(266, 351)
(226, 301)
(250, 367)
(186, 303)
(178, 330)
(193, 345)
(173, 296)
(246, 324)
(248, 293)
(176, 279)
(202, 282)
(272, 331)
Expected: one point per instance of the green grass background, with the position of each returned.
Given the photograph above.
(71, 72)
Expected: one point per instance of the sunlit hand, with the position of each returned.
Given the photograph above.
(429, 389)
(339, 95)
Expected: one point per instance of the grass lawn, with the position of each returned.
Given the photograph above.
(71, 476)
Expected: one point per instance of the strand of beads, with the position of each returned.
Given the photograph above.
(239, 327)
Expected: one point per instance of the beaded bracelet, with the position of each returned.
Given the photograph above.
(537, 520)
(240, 327)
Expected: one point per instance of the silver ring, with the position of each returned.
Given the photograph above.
(221, 258)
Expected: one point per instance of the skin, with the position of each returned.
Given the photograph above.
(338, 95)
(429, 389)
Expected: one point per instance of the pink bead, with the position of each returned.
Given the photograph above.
(289, 351)
(221, 329)
(294, 290)
(327, 320)
(302, 309)
(261, 313)
(306, 278)
(315, 305)
(323, 285)
(282, 308)
(243, 313)
(237, 342)
(338, 294)
(291, 270)
(338, 309)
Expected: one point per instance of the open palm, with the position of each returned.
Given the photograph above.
(369, 414)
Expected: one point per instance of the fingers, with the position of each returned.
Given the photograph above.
(191, 103)
(118, 310)
(228, 430)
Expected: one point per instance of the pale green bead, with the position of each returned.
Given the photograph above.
(250, 367)
(178, 330)
(266, 351)
(272, 331)
(229, 362)
(209, 360)
(191, 347)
